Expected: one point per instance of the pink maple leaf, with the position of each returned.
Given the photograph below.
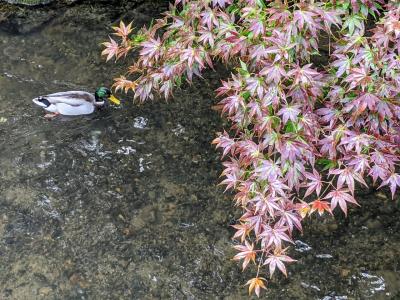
(314, 183)
(289, 112)
(112, 49)
(393, 181)
(276, 260)
(340, 197)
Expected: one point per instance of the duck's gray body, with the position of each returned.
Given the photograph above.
(71, 103)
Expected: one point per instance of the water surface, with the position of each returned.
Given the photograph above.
(123, 204)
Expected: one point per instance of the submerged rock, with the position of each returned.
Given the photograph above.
(29, 2)
(27, 16)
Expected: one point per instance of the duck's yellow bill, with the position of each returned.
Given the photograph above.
(114, 100)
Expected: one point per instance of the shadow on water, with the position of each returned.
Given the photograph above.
(123, 204)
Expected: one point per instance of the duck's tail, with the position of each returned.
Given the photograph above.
(41, 101)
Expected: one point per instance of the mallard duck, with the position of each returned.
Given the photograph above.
(74, 103)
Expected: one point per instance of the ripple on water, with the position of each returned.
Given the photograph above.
(300, 246)
(140, 122)
(126, 150)
(178, 130)
(324, 256)
(370, 284)
(335, 298)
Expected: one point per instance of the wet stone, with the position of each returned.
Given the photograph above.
(373, 224)
(45, 291)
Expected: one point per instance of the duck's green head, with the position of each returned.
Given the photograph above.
(104, 93)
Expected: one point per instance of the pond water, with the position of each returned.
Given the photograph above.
(123, 204)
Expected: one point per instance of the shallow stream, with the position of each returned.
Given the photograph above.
(124, 204)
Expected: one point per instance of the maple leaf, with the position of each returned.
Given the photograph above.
(347, 175)
(276, 260)
(393, 181)
(255, 110)
(256, 284)
(208, 18)
(151, 49)
(294, 175)
(330, 17)
(279, 14)
(291, 150)
(302, 17)
(320, 206)
(166, 88)
(121, 83)
(221, 3)
(359, 76)
(225, 142)
(274, 236)
(354, 22)
(112, 49)
(276, 187)
(305, 76)
(303, 208)
(268, 170)
(176, 23)
(356, 141)
(230, 181)
(207, 37)
(123, 31)
(191, 56)
(255, 86)
(378, 170)
(257, 52)
(315, 183)
(329, 115)
(246, 252)
(359, 163)
(384, 110)
(290, 218)
(289, 113)
(243, 231)
(343, 63)
(273, 73)
(340, 197)
(268, 204)
(231, 104)
(256, 223)
(362, 102)
(257, 27)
